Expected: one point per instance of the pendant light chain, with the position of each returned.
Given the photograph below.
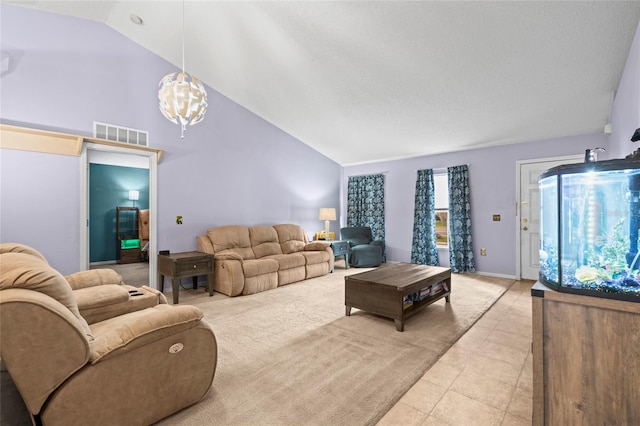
(183, 98)
(183, 36)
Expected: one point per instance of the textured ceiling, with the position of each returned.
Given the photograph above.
(370, 81)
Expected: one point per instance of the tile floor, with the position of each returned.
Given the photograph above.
(485, 378)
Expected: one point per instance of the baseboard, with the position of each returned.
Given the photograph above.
(491, 274)
(104, 262)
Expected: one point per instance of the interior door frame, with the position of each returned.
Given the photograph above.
(153, 203)
(519, 164)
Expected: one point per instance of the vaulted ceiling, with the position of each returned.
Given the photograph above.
(376, 80)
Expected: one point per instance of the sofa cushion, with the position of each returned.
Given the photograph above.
(96, 310)
(104, 295)
(366, 256)
(22, 270)
(264, 241)
(260, 283)
(255, 267)
(93, 278)
(288, 261)
(21, 248)
(292, 275)
(314, 257)
(359, 242)
(292, 238)
(356, 235)
(127, 332)
(292, 246)
(316, 245)
(231, 237)
(316, 270)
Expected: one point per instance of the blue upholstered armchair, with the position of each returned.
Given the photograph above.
(364, 251)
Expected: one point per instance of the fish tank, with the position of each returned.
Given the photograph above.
(590, 215)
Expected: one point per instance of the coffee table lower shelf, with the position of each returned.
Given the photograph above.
(382, 291)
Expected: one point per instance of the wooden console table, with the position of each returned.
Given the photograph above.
(184, 265)
(382, 290)
(586, 359)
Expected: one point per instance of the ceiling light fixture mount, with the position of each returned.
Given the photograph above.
(183, 99)
(136, 19)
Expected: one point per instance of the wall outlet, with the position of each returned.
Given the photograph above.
(483, 252)
(496, 218)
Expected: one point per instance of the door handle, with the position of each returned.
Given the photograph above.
(524, 228)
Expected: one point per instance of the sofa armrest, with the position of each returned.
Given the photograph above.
(377, 243)
(228, 273)
(162, 299)
(101, 303)
(130, 331)
(317, 246)
(204, 244)
(228, 256)
(93, 278)
(104, 295)
(56, 341)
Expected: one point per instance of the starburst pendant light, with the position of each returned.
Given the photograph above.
(183, 99)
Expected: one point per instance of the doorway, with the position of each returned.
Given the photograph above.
(119, 156)
(528, 212)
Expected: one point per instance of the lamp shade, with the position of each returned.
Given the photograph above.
(134, 195)
(327, 214)
(183, 99)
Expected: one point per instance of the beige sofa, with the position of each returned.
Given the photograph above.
(132, 360)
(252, 259)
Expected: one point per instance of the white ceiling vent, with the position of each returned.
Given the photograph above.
(120, 134)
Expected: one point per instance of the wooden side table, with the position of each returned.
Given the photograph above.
(184, 265)
(341, 248)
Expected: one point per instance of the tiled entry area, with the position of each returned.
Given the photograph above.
(484, 379)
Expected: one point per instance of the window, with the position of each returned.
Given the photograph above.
(441, 190)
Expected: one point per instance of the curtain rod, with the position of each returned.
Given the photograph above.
(441, 169)
(369, 174)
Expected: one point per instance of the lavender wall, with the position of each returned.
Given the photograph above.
(40, 203)
(625, 113)
(493, 178)
(232, 168)
(492, 175)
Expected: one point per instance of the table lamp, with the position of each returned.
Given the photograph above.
(327, 214)
(134, 196)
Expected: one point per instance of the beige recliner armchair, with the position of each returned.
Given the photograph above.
(131, 368)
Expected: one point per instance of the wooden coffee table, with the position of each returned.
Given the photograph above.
(382, 290)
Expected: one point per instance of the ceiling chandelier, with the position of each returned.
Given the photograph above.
(183, 99)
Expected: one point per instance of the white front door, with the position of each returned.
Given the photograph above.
(528, 211)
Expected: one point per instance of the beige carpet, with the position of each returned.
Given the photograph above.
(135, 274)
(290, 356)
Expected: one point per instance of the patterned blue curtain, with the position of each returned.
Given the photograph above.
(424, 250)
(365, 204)
(460, 247)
